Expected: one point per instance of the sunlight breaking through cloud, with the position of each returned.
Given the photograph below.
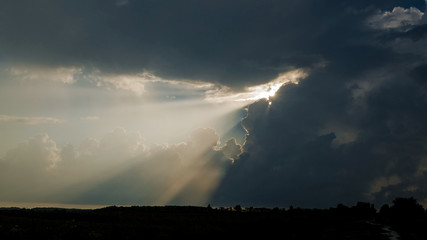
(139, 83)
(66, 75)
(118, 168)
(175, 90)
(256, 92)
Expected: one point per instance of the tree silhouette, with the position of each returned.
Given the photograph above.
(406, 208)
(385, 210)
(407, 217)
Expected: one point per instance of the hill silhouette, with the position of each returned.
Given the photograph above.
(361, 221)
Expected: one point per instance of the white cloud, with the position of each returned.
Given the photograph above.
(26, 172)
(137, 83)
(134, 84)
(204, 139)
(121, 144)
(89, 146)
(149, 85)
(118, 168)
(29, 120)
(67, 75)
(398, 17)
(39, 151)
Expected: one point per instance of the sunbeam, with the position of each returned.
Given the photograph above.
(256, 92)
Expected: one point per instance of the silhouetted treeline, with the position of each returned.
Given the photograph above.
(406, 216)
(361, 221)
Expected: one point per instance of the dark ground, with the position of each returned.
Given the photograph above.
(199, 222)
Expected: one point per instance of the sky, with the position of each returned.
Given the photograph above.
(194, 102)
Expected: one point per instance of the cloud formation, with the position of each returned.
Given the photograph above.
(236, 43)
(351, 131)
(297, 150)
(117, 169)
(67, 75)
(397, 18)
(252, 93)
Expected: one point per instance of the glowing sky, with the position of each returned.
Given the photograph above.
(266, 103)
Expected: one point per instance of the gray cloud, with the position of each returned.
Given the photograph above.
(294, 155)
(351, 131)
(231, 149)
(397, 18)
(235, 43)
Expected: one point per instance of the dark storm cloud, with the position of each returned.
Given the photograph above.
(293, 154)
(232, 42)
(416, 33)
(354, 130)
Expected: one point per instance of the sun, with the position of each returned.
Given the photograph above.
(256, 92)
(265, 91)
(269, 89)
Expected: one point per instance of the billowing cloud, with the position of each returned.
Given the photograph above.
(289, 159)
(397, 18)
(344, 134)
(117, 169)
(231, 149)
(26, 173)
